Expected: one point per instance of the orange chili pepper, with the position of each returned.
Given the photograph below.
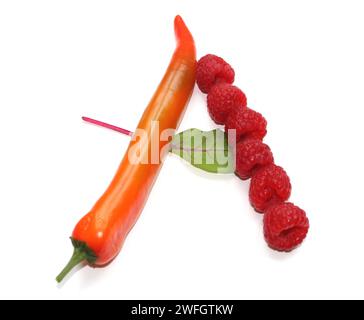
(99, 236)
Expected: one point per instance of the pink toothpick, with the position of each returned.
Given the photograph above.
(107, 126)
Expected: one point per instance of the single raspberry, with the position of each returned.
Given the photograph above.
(223, 98)
(247, 123)
(251, 154)
(285, 226)
(269, 186)
(211, 70)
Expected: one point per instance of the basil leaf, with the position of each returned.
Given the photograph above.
(205, 150)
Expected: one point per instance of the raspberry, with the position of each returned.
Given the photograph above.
(223, 98)
(269, 186)
(285, 227)
(247, 123)
(251, 154)
(211, 70)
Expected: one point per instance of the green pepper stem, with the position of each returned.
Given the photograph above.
(78, 257)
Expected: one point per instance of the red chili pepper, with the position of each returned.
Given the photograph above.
(99, 236)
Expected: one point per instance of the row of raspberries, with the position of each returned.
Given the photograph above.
(285, 225)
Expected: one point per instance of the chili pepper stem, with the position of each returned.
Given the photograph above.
(81, 253)
(78, 257)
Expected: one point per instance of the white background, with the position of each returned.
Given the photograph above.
(300, 63)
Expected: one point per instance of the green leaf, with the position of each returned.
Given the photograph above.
(205, 150)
